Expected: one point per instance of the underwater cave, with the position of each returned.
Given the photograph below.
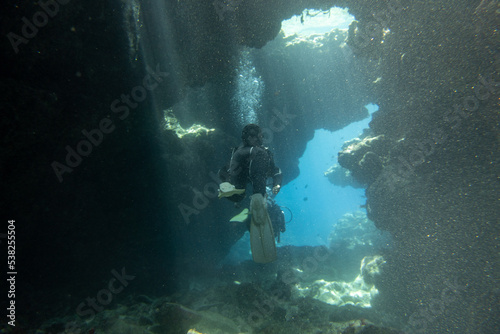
(122, 118)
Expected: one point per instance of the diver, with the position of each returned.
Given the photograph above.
(253, 163)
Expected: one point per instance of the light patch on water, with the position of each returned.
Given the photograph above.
(317, 22)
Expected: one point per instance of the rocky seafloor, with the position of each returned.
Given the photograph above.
(307, 290)
(249, 298)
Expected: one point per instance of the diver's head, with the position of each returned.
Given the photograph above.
(252, 135)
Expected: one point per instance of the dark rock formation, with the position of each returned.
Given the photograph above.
(364, 158)
(342, 177)
(436, 193)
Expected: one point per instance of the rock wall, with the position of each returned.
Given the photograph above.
(79, 176)
(436, 192)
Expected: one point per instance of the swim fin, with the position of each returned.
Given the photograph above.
(240, 217)
(226, 189)
(261, 231)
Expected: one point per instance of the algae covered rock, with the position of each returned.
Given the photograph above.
(342, 177)
(358, 293)
(364, 157)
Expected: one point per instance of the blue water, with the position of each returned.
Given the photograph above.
(314, 204)
(317, 204)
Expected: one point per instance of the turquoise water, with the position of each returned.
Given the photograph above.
(317, 204)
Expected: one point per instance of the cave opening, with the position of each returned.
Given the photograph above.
(311, 202)
(316, 204)
(315, 21)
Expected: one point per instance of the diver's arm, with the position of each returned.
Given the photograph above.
(276, 174)
(277, 178)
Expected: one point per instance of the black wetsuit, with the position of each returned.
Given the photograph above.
(252, 164)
